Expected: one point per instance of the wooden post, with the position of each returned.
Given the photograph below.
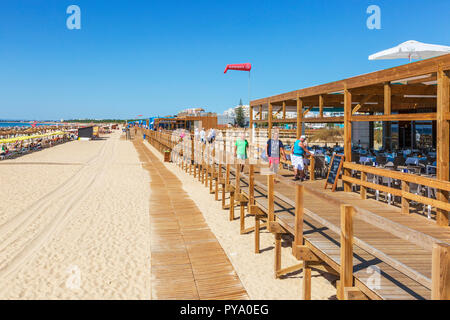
(242, 216)
(299, 117)
(443, 141)
(238, 179)
(321, 106)
(299, 214)
(363, 191)
(346, 268)
(284, 110)
(312, 166)
(192, 155)
(270, 117)
(277, 262)
(207, 166)
(260, 112)
(347, 135)
(216, 192)
(440, 272)
(212, 171)
(405, 202)
(251, 117)
(306, 285)
(232, 194)
(387, 99)
(257, 226)
(270, 200)
(251, 185)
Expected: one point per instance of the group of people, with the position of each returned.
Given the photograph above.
(201, 134)
(274, 150)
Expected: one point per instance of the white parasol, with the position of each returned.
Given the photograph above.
(411, 50)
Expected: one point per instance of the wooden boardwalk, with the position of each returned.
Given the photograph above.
(187, 261)
(322, 234)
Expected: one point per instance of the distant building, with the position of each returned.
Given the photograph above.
(229, 115)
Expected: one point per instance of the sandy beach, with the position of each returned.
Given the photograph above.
(74, 223)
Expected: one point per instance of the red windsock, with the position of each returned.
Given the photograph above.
(239, 67)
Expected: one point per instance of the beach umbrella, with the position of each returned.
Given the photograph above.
(411, 50)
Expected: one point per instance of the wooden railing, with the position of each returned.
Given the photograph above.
(439, 284)
(404, 192)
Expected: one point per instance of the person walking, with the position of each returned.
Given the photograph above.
(297, 158)
(240, 149)
(203, 136)
(274, 149)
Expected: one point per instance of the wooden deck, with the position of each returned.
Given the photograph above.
(187, 261)
(322, 234)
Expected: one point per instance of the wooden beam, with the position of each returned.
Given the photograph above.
(304, 253)
(354, 293)
(275, 227)
(306, 285)
(443, 141)
(277, 262)
(346, 268)
(307, 110)
(347, 134)
(387, 99)
(321, 105)
(284, 110)
(440, 272)
(396, 117)
(277, 113)
(251, 117)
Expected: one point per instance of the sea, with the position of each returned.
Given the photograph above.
(22, 124)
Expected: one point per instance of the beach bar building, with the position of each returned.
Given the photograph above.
(401, 99)
(378, 250)
(188, 122)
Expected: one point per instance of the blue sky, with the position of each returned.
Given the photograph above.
(157, 57)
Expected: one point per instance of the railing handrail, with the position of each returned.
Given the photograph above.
(429, 182)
